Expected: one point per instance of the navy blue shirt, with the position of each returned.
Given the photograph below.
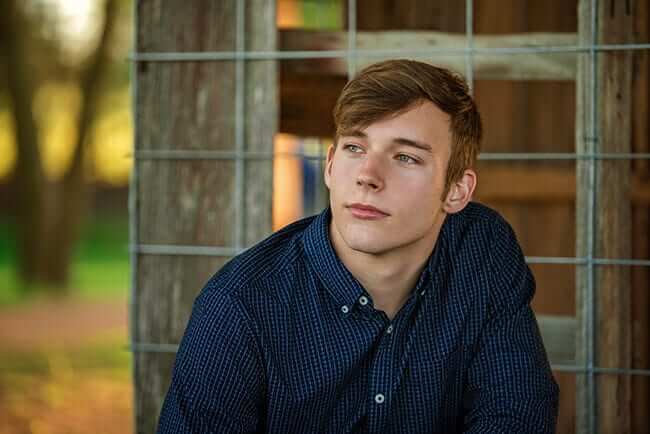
(283, 339)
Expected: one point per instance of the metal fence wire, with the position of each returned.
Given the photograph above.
(240, 56)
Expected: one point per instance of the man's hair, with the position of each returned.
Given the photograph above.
(388, 88)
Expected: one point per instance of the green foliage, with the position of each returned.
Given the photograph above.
(100, 267)
(322, 14)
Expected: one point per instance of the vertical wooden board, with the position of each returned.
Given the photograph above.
(566, 423)
(446, 16)
(186, 105)
(177, 25)
(150, 388)
(504, 122)
(613, 240)
(261, 119)
(612, 232)
(527, 116)
(554, 16)
(640, 227)
(550, 109)
(191, 106)
(551, 104)
(167, 292)
(583, 145)
(507, 16)
(187, 202)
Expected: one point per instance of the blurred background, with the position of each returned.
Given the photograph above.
(66, 156)
(65, 139)
(66, 142)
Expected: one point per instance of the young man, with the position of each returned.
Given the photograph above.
(402, 308)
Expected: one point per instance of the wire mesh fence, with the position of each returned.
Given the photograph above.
(588, 154)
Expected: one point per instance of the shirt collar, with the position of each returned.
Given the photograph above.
(338, 280)
(335, 277)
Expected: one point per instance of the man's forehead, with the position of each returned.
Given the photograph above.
(422, 119)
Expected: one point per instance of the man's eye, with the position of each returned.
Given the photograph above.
(352, 148)
(406, 159)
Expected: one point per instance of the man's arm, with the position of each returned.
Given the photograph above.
(510, 386)
(218, 379)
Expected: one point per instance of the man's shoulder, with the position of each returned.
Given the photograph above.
(258, 264)
(481, 221)
(480, 237)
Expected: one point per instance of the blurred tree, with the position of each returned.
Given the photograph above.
(49, 213)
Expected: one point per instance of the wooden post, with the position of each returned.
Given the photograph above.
(641, 225)
(191, 106)
(612, 230)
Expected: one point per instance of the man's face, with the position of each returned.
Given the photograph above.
(386, 181)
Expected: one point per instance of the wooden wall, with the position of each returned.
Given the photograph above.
(519, 116)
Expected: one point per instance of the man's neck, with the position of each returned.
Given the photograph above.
(389, 277)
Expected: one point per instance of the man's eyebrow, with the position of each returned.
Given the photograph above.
(414, 143)
(396, 140)
(354, 133)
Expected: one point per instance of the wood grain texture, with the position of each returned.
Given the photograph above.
(192, 106)
(495, 66)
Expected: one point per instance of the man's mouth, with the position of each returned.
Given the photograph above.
(366, 211)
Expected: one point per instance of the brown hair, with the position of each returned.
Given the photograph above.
(387, 88)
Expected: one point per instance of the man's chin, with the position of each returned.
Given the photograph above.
(366, 246)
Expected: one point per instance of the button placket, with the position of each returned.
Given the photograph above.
(381, 380)
(363, 300)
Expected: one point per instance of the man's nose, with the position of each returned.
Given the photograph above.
(370, 173)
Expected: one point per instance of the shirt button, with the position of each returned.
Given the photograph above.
(379, 398)
(345, 309)
(389, 330)
(363, 300)
(422, 293)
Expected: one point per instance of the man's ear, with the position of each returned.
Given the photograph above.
(328, 164)
(460, 192)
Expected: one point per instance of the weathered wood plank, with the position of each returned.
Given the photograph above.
(641, 228)
(612, 232)
(614, 215)
(191, 105)
(530, 66)
(558, 334)
(511, 183)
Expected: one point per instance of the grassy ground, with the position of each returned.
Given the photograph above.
(72, 391)
(56, 383)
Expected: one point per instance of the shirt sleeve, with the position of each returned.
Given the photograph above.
(218, 379)
(510, 385)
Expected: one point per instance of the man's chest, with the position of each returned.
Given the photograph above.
(335, 371)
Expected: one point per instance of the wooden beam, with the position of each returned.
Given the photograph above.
(507, 183)
(530, 66)
(559, 336)
(641, 228)
(191, 105)
(611, 236)
(614, 240)
(519, 184)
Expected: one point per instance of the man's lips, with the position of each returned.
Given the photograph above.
(367, 212)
